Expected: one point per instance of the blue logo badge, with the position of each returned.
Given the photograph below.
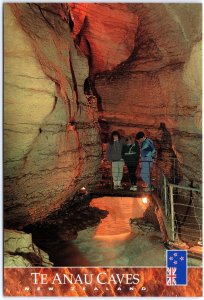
(176, 267)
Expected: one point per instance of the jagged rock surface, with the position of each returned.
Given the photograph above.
(20, 251)
(52, 145)
(158, 82)
(104, 32)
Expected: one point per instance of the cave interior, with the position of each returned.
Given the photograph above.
(74, 73)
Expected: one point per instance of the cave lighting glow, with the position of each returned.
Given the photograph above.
(116, 226)
(144, 200)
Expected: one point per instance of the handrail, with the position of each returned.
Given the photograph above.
(184, 187)
(171, 195)
(181, 204)
(165, 190)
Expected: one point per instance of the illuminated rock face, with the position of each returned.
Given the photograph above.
(158, 82)
(104, 32)
(52, 146)
(144, 61)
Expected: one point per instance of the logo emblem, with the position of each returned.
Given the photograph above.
(176, 267)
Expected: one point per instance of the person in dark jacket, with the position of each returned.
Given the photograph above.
(131, 156)
(114, 155)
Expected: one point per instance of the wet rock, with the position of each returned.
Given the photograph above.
(142, 225)
(20, 251)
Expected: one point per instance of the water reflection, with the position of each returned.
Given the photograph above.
(114, 242)
(121, 209)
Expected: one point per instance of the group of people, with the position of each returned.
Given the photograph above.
(130, 151)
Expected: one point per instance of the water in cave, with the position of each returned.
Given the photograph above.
(116, 241)
(128, 236)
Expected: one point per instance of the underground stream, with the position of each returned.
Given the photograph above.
(106, 231)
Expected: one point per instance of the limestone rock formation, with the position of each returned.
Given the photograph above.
(20, 251)
(158, 84)
(144, 65)
(52, 145)
(104, 32)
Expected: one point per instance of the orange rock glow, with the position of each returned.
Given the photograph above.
(108, 45)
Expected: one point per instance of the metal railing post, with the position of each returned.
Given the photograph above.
(150, 177)
(172, 211)
(161, 186)
(174, 171)
(157, 180)
(165, 195)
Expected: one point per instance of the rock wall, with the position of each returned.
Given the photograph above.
(51, 135)
(104, 32)
(20, 251)
(156, 87)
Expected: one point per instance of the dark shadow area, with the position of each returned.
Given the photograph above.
(62, 227)
(71, 23)
(166, 156)
(81, 32)
(87, 87)
(105, 129)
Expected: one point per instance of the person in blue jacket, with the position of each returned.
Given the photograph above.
(148, 153)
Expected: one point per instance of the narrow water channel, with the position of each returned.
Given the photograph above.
(115, 241)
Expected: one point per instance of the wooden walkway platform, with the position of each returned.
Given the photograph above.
(108, 191)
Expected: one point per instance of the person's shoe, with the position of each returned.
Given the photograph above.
(134, 188)
(115, 185)
(120, 187)
(148, 189)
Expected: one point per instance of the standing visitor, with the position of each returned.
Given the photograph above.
(148, 153)
(131, 156)
(114, 155)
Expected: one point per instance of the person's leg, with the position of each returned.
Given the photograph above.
(133, 175)
(145, 171)
(115, 173)
(131, 171)
(136, 166)
(120, 171)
